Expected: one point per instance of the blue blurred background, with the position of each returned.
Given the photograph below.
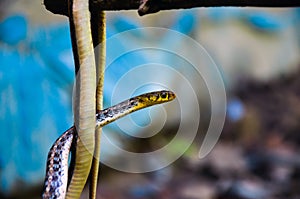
(37, 76)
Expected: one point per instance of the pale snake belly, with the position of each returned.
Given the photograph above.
(56, 180)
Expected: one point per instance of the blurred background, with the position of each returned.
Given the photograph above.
(257, 52)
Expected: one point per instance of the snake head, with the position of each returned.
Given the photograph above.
(156, 97)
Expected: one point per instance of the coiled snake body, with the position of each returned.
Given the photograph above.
(56, 180)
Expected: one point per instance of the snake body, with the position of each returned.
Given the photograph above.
(85, 94)
(56, 180)
(57, 166)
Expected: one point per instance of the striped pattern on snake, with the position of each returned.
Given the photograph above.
(56, 180)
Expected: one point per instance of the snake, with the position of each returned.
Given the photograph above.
(85, 94)
(57, 169)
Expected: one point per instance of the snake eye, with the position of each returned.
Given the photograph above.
(164, 95)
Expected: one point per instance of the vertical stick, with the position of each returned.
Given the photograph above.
(99, 35)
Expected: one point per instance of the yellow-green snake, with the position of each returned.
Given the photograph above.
(85, 94)
(57, 171)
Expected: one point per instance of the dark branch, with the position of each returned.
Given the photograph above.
(151, 6)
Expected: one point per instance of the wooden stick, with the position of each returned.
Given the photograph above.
(150, 6)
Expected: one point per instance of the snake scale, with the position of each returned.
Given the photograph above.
(56, 180)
